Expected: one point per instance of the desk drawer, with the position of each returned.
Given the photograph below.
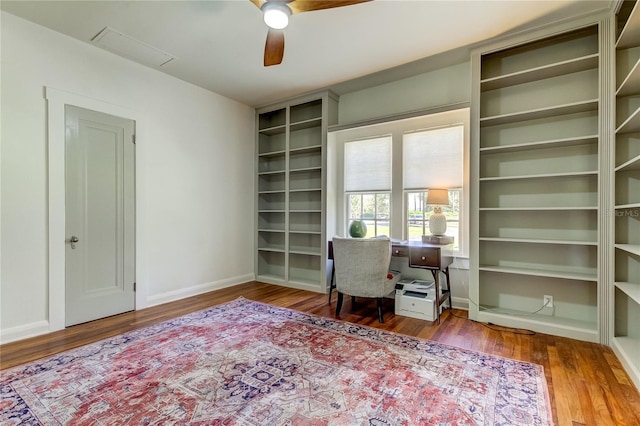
(401, 251)
(424, 257)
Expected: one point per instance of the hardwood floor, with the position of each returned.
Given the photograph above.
(587, 384)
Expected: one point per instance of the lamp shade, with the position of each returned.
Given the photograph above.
(438, 197)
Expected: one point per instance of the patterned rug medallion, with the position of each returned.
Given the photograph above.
(248, 363)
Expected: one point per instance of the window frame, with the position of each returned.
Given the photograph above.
(338, 214)
(376, 215)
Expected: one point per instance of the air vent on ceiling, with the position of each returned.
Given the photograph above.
(127, 46)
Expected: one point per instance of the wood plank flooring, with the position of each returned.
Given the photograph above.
(587, 384)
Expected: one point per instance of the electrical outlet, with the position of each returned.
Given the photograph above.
(547, 301)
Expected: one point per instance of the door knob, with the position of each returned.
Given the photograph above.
(73, 240)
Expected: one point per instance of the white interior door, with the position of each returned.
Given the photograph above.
(100, 215)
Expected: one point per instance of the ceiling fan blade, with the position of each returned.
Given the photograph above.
(274, 47)
(298, 6)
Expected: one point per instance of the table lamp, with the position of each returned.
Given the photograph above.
(437, 221)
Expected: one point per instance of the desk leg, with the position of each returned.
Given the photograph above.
(446, 274)
(435, 273)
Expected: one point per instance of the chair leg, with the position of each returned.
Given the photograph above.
(353, 302)
(339, 304)
(332, 285)
(379, 303)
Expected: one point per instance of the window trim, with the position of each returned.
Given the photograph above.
(336, 199)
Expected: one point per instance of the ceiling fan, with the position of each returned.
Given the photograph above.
(276, 16)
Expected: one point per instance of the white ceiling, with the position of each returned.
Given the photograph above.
(219, 45)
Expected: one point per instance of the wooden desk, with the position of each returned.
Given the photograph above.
(433, 257)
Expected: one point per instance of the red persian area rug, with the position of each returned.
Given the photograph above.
(249, 363)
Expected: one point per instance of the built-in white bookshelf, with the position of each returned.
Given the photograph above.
(291, 163)
(626, 286)
(535, 159)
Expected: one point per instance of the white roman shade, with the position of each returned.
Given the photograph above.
(367, 165)
(433, 158)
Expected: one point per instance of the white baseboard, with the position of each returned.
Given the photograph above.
(43, 327)
(183, 293)
(316, 288)
(24, 331)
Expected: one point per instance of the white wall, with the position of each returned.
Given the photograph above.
(195, 173)
(444, 86)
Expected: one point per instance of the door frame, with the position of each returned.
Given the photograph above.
(56, 102)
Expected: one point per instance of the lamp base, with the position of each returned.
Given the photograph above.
(437, 239)
(438, 224)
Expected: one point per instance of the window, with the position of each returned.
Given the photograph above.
(433, 158)
(381, 174)
(373, 209)
(367, 182)
(418, 213)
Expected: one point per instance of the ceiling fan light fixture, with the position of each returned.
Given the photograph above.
(276, 15)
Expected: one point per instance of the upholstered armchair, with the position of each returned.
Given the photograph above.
(362, 269)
